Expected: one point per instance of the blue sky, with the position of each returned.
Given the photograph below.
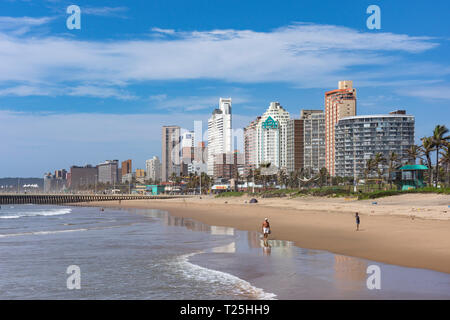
(104, 91)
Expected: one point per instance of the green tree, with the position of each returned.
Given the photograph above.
(393, 162)
(427, 148)
(439, 141)
(379, 161)
(413, 153)
(445, 161)
(370, 165)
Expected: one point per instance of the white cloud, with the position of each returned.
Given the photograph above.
(20, 25)
(194, 103)
(104, 11)
(81, 90)
(164, 31)
(437, 92)
(305, 55)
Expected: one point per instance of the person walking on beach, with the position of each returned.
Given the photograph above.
(266, 228)
(357, 221)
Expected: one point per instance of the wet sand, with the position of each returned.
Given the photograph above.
(389, 233)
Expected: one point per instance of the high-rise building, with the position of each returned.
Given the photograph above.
(219, 132)
(359, 138)
(187, 151)
(126, 167)
(339, 104)
(171, 152)
(226, 165)
(61, 174)
(251, 146)
(153, 168)
(294, 147)
(272, 137)
(108, 171)
(83, 176)
(313, 140)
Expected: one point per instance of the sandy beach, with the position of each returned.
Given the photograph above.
(407, 230)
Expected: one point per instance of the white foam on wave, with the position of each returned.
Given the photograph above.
(47, 212)
(242, 287)
(37, 233)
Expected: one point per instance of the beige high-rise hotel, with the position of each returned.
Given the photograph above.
(339, 104)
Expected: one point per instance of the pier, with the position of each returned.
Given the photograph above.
(74, 198)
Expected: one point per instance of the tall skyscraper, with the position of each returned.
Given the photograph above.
(153, 169)
(339, 104)
(170, 153)
(272, 137)
(359, 138)
(219, 132)
(313, 140)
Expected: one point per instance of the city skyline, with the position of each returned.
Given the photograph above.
(91, 105)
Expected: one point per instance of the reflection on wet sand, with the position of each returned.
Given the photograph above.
(267, 249)
(229, 248)
(222, 231)
(190, 224)
(349, 272)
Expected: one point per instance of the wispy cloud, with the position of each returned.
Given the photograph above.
(437, 92)
(81, 90)
(305, 55)
(105, 11)
(20, 25)
(194, 103)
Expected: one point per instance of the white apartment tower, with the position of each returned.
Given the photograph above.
(153, 169)
(272, 139)
(219, 132)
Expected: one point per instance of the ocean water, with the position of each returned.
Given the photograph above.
(149, 254)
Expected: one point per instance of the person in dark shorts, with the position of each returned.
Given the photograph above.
(357, 221)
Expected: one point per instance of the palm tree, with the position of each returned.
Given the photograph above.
(282, 178)
(265, 177)
(370, 164)
(379, 160)
(323, 173)
(439, 140)
(413, 153)
(236, 177)
(445, 161)
(393, 160)
(427, 148)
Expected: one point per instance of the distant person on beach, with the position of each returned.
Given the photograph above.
(266, 228)
(357, 221)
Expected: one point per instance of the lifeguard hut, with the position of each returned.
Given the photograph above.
(411, 176)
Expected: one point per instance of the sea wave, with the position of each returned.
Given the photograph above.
(35, 233)
(46, 212)
(240, 286)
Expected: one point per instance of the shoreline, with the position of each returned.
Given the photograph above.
(394, 239)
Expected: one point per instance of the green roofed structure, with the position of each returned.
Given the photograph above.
(411, 176)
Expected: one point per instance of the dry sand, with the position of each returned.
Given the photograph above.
(408, 230)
